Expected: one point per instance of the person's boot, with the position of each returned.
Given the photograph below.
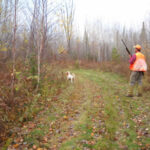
(130, 91)
(139, 94)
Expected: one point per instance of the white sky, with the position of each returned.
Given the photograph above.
(130, 13)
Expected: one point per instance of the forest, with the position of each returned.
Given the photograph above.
(39, 109)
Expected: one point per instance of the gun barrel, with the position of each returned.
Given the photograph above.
(126, 47)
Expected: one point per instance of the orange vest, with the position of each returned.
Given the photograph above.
(139, 64)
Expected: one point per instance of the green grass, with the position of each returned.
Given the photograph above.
(113, 88)
(99, 116)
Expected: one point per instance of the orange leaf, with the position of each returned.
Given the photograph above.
(92, 134)
(39, 148)
(16, 145)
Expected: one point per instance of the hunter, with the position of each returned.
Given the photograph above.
(138, 66)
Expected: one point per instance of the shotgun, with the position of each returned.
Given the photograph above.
(126, 47)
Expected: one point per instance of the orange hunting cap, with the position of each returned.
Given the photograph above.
(138, 47)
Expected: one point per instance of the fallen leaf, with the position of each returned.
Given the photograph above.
(39, 148)
(54, 146)
(65, 117)
(16, 145)
(31, 126)
(92, 134)
(51, 129)
(147, 145)
(138, 137)
(92, 142)
(45, 139)
(34, 147)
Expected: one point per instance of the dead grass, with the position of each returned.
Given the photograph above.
(121, 68)
(12, 109)
(53, 81)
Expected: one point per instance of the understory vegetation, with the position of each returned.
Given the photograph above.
(92, 113)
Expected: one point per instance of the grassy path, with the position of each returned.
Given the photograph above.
(91, 114)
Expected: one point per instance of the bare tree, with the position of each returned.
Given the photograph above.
(33, 32)
(6, 28)
(42, 35)
(14, 45)
(66, 16)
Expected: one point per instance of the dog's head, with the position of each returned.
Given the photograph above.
(67, 73)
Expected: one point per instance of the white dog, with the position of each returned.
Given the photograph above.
(70, 76)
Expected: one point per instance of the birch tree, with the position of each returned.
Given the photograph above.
(42, 35)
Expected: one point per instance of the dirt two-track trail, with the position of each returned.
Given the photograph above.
(90, 114)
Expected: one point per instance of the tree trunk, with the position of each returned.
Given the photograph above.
(14, 49)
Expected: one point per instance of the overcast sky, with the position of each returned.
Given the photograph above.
(130, 13)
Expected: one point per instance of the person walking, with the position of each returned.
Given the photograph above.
(137, 66)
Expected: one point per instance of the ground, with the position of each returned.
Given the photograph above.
(91, 114)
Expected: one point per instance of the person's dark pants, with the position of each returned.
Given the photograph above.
(135, 78)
